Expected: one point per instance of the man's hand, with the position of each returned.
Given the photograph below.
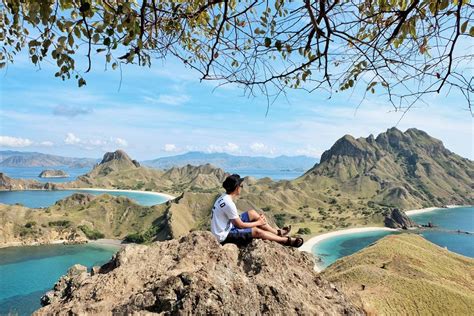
(262, 220)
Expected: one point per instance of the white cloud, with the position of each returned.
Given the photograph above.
(310, 151)
(46, 143)
(70, 111)
(71, 139)
(231, 147)
(260, 148)
(227, 148)
(169, 99)
(93, 143)
(120, 142)
(170, 148)
(9, 141)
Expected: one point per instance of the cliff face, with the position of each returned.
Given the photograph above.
(196, 275)
(402, 169)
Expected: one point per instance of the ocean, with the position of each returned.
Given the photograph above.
(45, 198)
(448, 220)
(26, 273)
(33, 172)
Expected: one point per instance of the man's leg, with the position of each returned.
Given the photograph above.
(257, 232)
(254, 216)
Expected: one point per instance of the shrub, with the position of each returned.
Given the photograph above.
(91, 233)
(60, 223)
(280, 219)
(304, 231)
(137, 238)
(30, 224)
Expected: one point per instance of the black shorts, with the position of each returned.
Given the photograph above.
(240, 236)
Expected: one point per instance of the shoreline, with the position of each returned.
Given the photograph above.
(165, 195)
(310, 243)
(64, 242)
(107, 242)
(433, 208)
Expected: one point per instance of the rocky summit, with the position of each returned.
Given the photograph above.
(196, 275)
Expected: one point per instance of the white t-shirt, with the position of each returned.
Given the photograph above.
(223, 211)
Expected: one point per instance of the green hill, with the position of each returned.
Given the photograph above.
(406, 275)
(81, 216)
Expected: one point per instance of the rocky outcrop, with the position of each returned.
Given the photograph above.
(7, 183)
(401, 169)
(75, 199)
(53, 174)
(196, 275)
(118, 155)
(395, 218)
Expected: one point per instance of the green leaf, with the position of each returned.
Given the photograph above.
(81, 82)
(471, 31)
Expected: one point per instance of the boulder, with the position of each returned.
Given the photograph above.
(197, 275)
(395, 218)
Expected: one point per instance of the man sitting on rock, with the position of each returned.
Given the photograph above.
(229, 227)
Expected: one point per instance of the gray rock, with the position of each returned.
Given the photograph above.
(395, 218)
(197, 275)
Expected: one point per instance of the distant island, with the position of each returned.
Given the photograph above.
(53, 174)
(234, 162)
(9, 158)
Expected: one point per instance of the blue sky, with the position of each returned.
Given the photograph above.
(165, 110)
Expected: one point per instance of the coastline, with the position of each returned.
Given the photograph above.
(107, 242)
(309, 244)
(165, 195)
(433, 208)
(98, 242)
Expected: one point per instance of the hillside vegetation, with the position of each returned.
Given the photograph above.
(406, 275)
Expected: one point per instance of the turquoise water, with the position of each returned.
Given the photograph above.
(462, 218)
(26, 273)
(45, 198)
(33, 172)
(331, 249)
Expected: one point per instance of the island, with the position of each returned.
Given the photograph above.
(53, 174)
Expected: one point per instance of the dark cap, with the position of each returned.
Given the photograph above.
(232, 182)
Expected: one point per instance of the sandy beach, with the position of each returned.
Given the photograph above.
(107, 242)
(430, 209)
(422, 210)
(168, 196)
(308, 245)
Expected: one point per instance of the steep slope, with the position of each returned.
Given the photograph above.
(196, 275)
(406, 275)
(409, 169)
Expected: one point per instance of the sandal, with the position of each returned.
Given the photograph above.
(284, 231)
(294, 242)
